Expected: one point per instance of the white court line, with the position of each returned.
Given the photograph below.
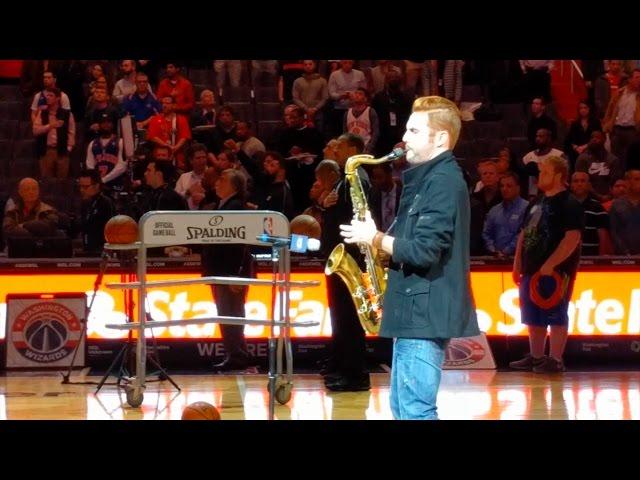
(242, 387)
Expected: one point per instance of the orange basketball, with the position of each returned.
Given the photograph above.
(200, 411)
(306, 225)
(121, 229)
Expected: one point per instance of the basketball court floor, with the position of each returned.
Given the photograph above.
(464, 394)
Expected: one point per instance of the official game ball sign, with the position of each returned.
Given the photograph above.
(43, 330)
(214, 226)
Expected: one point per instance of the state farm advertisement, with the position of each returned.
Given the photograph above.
(603, 303)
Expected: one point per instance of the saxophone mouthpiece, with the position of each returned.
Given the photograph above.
(396, 153)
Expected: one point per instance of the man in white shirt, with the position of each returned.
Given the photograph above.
(532, 159)
(342, 85)
(362, 120)
(189, 185)
(127, 84)
(622, 120)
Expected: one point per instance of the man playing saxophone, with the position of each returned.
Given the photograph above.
(428, 297)
(346, 367)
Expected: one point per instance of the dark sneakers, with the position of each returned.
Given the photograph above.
(328, 366)
(332, 377)
(550, 365)
(528, 363)
(328, 370)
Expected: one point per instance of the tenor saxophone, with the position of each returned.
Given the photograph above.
(367, 288)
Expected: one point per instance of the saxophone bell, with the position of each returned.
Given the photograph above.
(367, 288)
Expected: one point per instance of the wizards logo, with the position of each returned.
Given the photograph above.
(463, 351)
(45, 332)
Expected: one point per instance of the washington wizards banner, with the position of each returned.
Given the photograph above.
(42, 331)
(469, 353)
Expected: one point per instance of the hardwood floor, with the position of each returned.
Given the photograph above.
(463, 395)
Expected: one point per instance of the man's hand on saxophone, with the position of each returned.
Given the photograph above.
(367, 232)
(360, 232)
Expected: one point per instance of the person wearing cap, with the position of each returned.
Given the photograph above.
(105, 155)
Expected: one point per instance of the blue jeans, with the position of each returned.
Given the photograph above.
(415, 377)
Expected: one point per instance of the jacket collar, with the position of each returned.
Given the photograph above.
(418, 173)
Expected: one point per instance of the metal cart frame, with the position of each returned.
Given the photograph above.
(195, 227)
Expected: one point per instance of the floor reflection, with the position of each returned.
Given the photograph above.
(463, 395)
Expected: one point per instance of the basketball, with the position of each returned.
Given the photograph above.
(306, 225)
(121, 229)
(200, 411)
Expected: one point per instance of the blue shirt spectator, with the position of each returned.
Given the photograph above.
(142, 104)
(501, 227)
(625, 218)
(142, 108)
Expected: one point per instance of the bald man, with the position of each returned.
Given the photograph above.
(30, 217)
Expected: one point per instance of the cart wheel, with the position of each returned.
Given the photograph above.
(283, 393)
(133, 399)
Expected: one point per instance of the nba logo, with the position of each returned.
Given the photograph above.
(267, 225)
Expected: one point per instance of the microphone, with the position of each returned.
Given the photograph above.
(297, 243)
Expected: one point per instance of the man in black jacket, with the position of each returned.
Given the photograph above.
(233, 260)
(540, 119)
(270, 185)
(428, 298)
(160, 196)
(97, 209)
(393, 107)
(385, 195)
(346, 369)
(301, 146)
(203, 122)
